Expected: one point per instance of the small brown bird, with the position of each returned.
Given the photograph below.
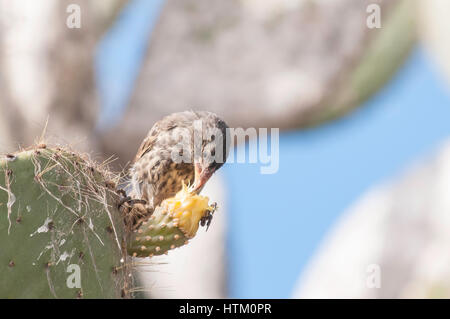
(186, 147)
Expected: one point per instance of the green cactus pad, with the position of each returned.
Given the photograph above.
(156, 236)
(58, 219)
(171, 225)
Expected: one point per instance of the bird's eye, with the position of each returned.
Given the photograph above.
(213, 152)
(213, 137)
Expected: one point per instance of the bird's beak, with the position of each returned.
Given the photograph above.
(202, 175)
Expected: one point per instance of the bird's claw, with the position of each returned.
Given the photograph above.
(127, 199)
(123, 200)
(134, 215)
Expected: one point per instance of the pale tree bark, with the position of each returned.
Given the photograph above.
(46, 69)
(434, 26)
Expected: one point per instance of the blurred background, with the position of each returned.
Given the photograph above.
(360, 205)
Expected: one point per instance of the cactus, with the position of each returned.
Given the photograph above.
(61, 233)
(171, 225)
(63, 236)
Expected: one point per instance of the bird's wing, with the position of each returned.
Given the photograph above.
(145, 147)
(150, 141)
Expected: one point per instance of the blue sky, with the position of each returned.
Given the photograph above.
(119, 58)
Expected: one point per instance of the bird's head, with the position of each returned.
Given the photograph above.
(211, 153)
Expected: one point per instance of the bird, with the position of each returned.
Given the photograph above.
(182, 148)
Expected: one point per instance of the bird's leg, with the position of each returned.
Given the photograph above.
(123, 200)
(133, 202)
(135, 210)
(127, 199)
(121, 192)
(124, 196)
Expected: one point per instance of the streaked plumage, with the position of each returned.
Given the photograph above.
(154, 173)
